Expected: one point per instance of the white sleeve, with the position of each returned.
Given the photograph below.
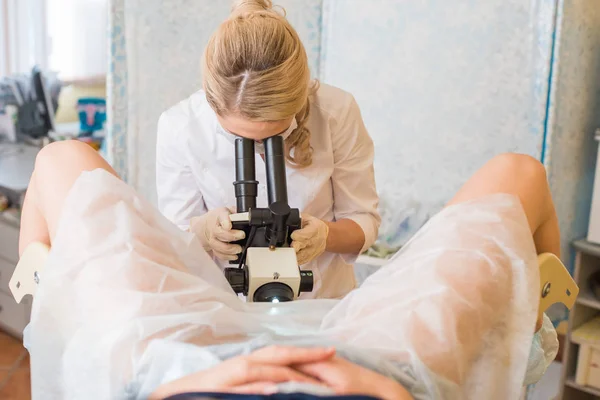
(354, 191)
(179, 198)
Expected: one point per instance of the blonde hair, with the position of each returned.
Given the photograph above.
(255, 66)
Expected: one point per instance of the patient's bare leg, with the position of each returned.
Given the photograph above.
(465, 276)
(57, 167)
(524, 177)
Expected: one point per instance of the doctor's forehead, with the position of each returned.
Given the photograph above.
(256, 130)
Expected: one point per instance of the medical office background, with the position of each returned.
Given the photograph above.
(443, 86)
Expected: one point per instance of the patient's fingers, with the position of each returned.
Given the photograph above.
(284, 355)
(257, 372)
(267, 387)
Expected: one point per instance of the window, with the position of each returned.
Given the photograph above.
(23, 27)
(78, 37)
(65, 36)
(3, 40)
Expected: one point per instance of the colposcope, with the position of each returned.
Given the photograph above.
(267, 269)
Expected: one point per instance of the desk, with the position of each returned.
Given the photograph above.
(16, 167)
(13, 317)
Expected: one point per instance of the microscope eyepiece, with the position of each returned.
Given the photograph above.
(275, 163)
(246, 185)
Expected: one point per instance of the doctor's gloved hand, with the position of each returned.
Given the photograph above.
(310, 241)
(214, 230)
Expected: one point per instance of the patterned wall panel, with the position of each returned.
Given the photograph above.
(443, 86)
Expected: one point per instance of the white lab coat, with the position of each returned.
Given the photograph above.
(195, 170)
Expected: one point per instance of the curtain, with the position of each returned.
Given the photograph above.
(23, 35)
(78, 33)
(64, 36)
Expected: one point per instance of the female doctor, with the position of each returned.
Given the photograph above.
(257, 84)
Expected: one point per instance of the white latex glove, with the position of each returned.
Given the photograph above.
(310, 241)
(215, 233)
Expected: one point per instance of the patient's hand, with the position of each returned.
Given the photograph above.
(346, 378)
(261, 371)
(257, 373)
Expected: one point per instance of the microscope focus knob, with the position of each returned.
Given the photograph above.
(306, 281)
(237, 279)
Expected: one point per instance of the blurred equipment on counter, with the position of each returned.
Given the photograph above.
(35, 98)
(72, 91)
(92, 115)
(16, 166)
(3, 203)
(8, 122)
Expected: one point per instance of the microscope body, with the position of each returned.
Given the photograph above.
(267, 269)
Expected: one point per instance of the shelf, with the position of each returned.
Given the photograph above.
(579, 343)
(571, 382)
(587, 299)
(586, 307)
(587, 247)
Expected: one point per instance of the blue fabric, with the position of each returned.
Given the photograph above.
(276, 396)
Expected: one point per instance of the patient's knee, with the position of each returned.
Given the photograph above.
(62, 161)
(519, 166)
(61, 153)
